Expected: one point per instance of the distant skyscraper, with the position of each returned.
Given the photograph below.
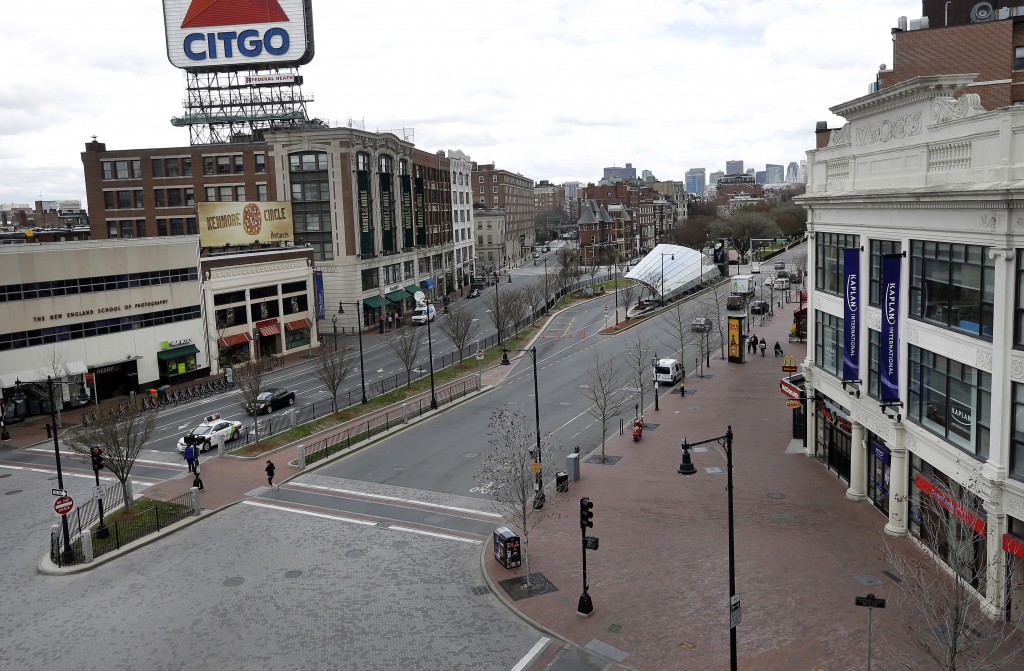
(647, 176)
(715, 176)
(695, 181)
(629, 172)
(760, 176)
(802, 175)
(734, 167)
(774, 174)
(792, 173)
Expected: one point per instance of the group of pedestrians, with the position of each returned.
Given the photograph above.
(192, 459)
(753, 344)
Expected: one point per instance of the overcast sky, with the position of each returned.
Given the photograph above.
(554, 90)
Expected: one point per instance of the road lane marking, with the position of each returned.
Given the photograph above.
(397, 499)
(528, 658)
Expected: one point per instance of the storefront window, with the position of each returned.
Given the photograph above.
(950, 399)
(828, 260)
(296, 338)
(879, 461)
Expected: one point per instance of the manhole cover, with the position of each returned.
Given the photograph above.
(471, 455)
(293, 574)
(399, 468)
(776, 495)
(480, 590)
(234, 582)
(356, 553)
(13, 491)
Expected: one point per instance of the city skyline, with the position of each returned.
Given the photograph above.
(481, 95)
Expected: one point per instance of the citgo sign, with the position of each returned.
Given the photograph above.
(237, 34)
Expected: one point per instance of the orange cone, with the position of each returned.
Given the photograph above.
(584, 334)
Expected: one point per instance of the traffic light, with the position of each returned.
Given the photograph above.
(97, 458)
(586, 513)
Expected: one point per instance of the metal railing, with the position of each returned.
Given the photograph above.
(87, 514)
(142, 523)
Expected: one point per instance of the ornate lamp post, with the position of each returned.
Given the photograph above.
(538, 499)
(430, 353)
(359, 331)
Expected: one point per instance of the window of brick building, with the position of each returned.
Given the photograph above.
(1018, 58)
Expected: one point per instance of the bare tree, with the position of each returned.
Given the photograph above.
(604, 391)
(678, 329)
(249, 378)
(533, 296)
(638, 364)
(950, 627)
(507, 473)
(53, 364)
(460, 326)
(406, 345)
(516, 307)
(628, 293)
(120, 433)
(331, 367)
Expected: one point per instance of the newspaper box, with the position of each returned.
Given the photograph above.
(506, 547)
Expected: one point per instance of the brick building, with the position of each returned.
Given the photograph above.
(513, 193)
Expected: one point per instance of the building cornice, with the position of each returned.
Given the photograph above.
(913, 90)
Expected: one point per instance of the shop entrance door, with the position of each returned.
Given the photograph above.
(838, 451)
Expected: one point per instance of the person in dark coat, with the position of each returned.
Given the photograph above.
(763, 345)
(190, 456)
(197, 482)
(778, 348)
(270, 472)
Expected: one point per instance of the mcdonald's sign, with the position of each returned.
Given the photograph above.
(789, 364)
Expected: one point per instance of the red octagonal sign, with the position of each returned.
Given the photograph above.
(63, 505)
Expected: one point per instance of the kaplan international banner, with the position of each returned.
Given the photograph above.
(851, 326)
(889, 356)
(318, 285)
(244, 223)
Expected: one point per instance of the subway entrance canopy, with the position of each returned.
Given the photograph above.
(684, 270)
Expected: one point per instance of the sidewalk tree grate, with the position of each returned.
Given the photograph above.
(650, 427)
(517, 589)
(776, 495)
(234, 582)
(608, 459)
(479, 590)
(293, 574)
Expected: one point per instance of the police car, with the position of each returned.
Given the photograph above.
(205, 435)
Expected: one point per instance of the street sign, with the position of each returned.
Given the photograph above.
(59, 492)
(793, 405)
(606, 309)
(97, 492)
(735, 613)
(870, 601)
(89, 378)
(63, 505)
(535, 467)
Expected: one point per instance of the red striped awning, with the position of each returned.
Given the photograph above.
(298, 324)
(231, 340)
(268, 331)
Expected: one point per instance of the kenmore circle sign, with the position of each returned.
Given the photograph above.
(237, 34)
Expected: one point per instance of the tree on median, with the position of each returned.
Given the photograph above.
(249, 380)
(460, 326)
(120, 433)
(406, 346)
(331, 367)
(604, 391)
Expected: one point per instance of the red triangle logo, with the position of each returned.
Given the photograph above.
(207, 13)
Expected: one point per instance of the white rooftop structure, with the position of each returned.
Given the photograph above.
(673, 269)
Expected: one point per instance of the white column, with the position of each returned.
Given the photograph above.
(994, 603)
(899, 470)
(810, 409)
(997, 464)
(858, 464)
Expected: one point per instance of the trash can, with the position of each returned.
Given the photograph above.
(506, 547)
(562, 481)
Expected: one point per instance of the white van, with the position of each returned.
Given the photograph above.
(668, 371)
(781, 283)
(419, 315)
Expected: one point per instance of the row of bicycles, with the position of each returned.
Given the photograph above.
(184, 395)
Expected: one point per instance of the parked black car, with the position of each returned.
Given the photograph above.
(473, 293)
(760, 307)
(270, 400)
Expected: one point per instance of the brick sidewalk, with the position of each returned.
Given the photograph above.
(659, 581)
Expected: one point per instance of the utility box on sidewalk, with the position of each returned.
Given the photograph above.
(506, 547)
(572, 466)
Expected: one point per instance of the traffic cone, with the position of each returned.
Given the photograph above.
(584, 334)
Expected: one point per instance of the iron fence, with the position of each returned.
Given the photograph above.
(85, 515)
(142, 523)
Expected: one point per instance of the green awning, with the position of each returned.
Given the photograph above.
(397, 296)
(176, 352)
(412, 289)
(373, 302)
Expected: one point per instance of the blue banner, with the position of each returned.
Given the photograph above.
(851, 316)
(318, 286)
(889, 356)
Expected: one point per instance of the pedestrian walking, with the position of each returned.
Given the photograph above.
(763, 346)
(778, 349)
(391, 322)
(270, 472)
(190, 456)
(197, 481)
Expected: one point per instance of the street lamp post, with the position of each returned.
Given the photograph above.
(672, 257)
(654, 366)
(334, 322)
(687, 468)
(538, 498)
(497, 305)
(359, 332)
(430, 354)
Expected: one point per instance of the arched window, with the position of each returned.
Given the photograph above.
(403, 167)
(362, 161)
(384, 163)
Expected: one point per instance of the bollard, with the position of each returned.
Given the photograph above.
(49, 431)
(405, 413)
(302, 457)
(194, 491)
(87, 545)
